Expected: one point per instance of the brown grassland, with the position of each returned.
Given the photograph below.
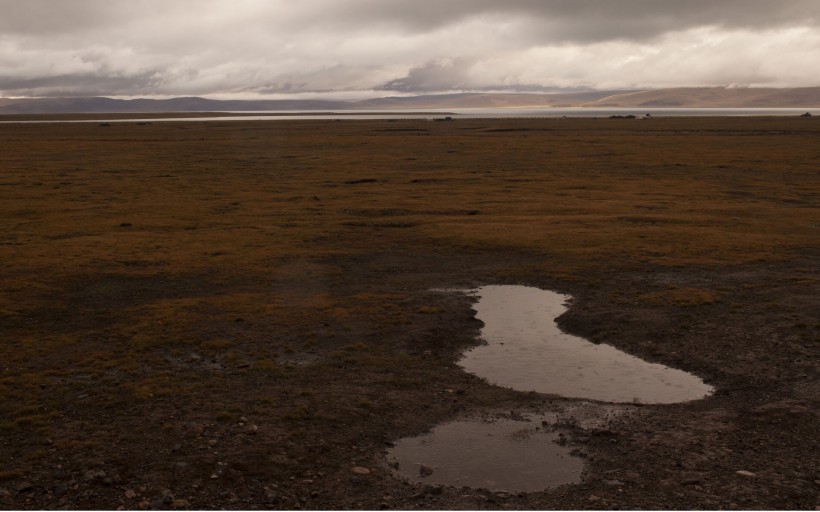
(235, 314)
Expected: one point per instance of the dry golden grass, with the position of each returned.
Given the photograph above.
(193, 197)
(161, 206)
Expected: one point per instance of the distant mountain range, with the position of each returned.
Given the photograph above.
(699, 97)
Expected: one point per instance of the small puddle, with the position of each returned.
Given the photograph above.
(525, 350)
(500, 455)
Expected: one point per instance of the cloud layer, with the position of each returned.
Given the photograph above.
(347, 47)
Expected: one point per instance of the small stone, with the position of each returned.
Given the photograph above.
(214, 476)
(25, 486)
(747, 474)
(425, 470)
(180, 504)
(613, 483)
(130, 494)
(358, 470)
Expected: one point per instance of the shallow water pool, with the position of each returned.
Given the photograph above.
(500, 455)
(525, 350)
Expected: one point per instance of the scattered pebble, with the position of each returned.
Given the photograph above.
(130, 494)
(358, 470)
(747, 474)
(632, 476)
(271, 496)
(60, 490)
(425, 470)
(25, 486)
(167, 496)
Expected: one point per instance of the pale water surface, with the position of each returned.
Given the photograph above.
(500, 455)
(525, 350)
(457, 113)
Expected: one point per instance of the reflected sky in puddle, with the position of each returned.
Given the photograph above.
(525, 350)
(500, 455)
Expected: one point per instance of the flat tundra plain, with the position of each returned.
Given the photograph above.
(237, 314)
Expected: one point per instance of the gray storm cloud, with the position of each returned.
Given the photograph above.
(259, 47)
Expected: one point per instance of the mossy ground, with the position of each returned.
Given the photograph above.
(239, 312)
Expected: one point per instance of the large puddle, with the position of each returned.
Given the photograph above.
(525, 350)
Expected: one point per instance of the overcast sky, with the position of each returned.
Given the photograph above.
(355, 48)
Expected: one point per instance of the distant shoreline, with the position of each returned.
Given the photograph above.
(128, 116)
(671, 98)
(625, 113)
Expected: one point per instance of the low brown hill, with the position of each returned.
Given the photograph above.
(694, 97)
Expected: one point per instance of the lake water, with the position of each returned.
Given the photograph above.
(526, 350)
(458, 113)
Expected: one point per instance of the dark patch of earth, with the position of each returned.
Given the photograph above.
(239, 438)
